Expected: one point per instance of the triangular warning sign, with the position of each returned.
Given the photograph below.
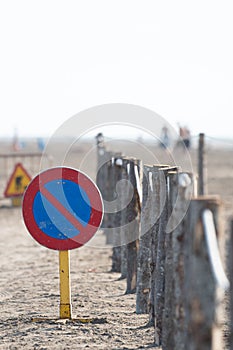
(17, 182)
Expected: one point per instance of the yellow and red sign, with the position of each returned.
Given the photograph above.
(18, 182)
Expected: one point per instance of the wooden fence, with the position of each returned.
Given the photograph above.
(164, 241)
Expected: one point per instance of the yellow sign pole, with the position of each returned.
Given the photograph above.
(16, 201)
(64, 271)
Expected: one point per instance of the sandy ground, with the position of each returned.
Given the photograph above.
(30, 289)
(29, 280)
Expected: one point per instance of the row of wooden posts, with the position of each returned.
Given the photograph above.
(154, 221)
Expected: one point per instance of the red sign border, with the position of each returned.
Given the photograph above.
(96, 204)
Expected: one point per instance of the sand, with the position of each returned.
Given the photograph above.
(29, 279)
(30, 290)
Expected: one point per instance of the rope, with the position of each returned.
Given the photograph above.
(192, 137)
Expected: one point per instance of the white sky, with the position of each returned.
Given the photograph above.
(61, 57)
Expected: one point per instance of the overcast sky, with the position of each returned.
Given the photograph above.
(61, 57)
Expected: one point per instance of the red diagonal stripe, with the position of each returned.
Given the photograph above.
(71, 218)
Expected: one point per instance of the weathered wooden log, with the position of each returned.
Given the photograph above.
(133, 226)
(102, 181)
(125, 194)
(111, 203)
(109, 196)
(159, 295)
(230, 268)
(159, 190)
(144, 254)
(116, 230)
(101, 150)
(202, 170)
(200, 285)
(168, 317)
(123, 262)
(181, 189)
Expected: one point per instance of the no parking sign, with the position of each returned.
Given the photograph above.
(62, 208)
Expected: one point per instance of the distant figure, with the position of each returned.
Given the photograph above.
(41, 144)
(165, 138)
(100, 139)
(15, 143)
(100, 143)
(184, 137)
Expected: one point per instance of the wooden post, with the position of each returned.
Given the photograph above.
(100, 158)
(202, 171)
(123, 262)
(230, 268)
(116, 229)
(124, 192)
(133, 219)
(159, 295)
(144, 254)
(102, 181)
(200, 285)
(158, 201)
(65, 298)
(109, 191)
(181, 187)
(100, 147)
(160, 271)
(168, 317)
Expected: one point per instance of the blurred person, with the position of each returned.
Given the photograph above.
(165, 138)
(184, 137)
(40, 144)
(15, 142)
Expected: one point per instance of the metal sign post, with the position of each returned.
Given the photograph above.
(65, 295)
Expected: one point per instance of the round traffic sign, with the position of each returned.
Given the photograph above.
(62, 208)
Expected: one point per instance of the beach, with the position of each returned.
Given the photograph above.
(29, 279)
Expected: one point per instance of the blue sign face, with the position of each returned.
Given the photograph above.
(51, 219)
(62, 208)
